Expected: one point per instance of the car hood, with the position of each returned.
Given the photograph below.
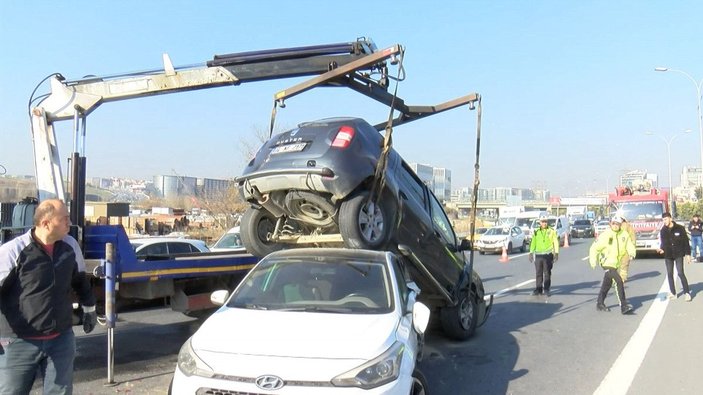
(493, 238)
(296, 334)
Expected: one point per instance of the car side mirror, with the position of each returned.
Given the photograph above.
(465, 245)
(219, 297)
(421, 317)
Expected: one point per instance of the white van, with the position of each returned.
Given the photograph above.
(560, 224)
(230, 241)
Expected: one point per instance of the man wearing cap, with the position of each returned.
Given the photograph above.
(608, 251)
(696, 229)
(674, 246)
(544, 252)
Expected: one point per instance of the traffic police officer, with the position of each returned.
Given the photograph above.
(544, 252)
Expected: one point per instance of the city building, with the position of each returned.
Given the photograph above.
(442, 184)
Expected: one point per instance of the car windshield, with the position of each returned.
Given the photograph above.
(497, 232)
(523, 221)
(229, 240)
(317, 284)
(582, 222)
(641, 210)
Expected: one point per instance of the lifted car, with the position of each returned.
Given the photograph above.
(314, 185)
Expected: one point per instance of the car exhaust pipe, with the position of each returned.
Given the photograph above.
(265, 201)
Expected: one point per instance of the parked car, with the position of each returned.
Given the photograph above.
(230, 241)
(600, 227)
(499, 237)
(316, 184)
(146, 248)
(311, 321)
(582, 228)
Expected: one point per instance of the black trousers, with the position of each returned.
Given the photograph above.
(670, 274)
(611, 275)
(543, 272)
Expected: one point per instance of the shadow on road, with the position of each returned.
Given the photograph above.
(485, 364)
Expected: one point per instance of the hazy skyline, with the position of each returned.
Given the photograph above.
(568, 89)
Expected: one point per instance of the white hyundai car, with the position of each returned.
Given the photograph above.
(311, 321)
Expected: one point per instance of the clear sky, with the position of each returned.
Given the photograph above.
(568, 88)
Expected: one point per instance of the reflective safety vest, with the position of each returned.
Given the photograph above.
(610, 248)
(544, 241)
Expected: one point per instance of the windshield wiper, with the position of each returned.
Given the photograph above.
(318, 309)
(250, 306)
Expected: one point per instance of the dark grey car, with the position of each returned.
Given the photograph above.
(582, 228)
(312, 185)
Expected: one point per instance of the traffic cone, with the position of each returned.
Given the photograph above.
(566, 240)
(504, 256)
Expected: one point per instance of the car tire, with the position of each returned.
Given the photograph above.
(523, 247)
(362, 223)
(419, 386)
(256, 226)
(310, 208)
(482, 252)
(510, 248)
(459, 322)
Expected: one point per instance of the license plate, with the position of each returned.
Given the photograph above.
(639, 244)
(297, 147)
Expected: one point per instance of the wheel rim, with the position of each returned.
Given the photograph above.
(466, 313)
(371, 222)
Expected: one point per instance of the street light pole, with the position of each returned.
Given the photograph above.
(698, 86)
(668, 152)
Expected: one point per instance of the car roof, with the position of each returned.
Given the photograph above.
(142, 241)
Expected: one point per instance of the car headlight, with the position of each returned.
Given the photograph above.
(376, 372)
(190, 364)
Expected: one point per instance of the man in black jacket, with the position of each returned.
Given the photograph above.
(38, 271)
(674, 246)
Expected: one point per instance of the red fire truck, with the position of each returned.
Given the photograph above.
(642, 207)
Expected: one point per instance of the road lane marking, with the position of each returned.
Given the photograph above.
(506, 290)
(623, 371)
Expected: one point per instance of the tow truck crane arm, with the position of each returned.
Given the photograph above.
(357, 65)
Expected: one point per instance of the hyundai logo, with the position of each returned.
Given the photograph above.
(269, 382)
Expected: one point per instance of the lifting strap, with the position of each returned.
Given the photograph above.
(380, 173)
(474, 197)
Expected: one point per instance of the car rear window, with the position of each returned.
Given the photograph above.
(582, 222)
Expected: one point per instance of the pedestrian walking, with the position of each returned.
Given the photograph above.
(675, 247)
(624, 268)
(696, 229)
(544, 252)
(607, 251)
(38, 271)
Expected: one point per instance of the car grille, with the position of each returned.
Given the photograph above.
(214, 391)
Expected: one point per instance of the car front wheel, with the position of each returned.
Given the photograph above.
(419, 384)
(364, 223)
(459, 322)
(256, 228)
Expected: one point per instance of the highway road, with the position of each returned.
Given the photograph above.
(529, 345)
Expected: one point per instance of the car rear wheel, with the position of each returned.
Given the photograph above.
(419, 384)
(523, 247)
(363, 223)
(459, 322)
(256, 229)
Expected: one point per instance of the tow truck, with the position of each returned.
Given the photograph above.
(188, 279)
(642, 206)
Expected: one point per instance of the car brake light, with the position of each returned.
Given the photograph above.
(344, 137)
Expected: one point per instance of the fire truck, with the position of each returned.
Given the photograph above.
(642, 206)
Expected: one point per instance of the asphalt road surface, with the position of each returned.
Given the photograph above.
(529, 345)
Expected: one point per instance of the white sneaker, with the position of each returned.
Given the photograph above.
(688, 297)
(672, 296)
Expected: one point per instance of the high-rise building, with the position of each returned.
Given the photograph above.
(442, 184)
(691, 177)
